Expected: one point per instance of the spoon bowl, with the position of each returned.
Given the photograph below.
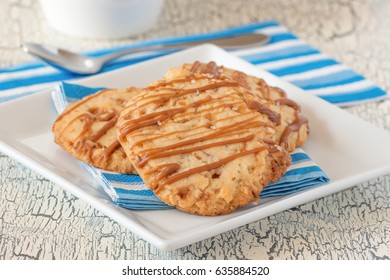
(65, 60)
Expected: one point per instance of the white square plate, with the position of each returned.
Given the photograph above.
(348, 149)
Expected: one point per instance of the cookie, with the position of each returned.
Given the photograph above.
(292, 125)
(199, 145)
(86, 130)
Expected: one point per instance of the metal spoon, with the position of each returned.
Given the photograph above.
(81, 64)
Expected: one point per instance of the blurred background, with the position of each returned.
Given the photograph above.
(356, 32)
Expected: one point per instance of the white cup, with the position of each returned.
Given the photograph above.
(102, 19)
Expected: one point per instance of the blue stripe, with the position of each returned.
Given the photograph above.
(276, 38)
(299, 157)
(334, 79)
(134, 192)
(289, 52)
(76, 91)
(355, 96)
(267, 192)
(303, 67)
(302, 171)
(300, 180)
(146, 206)
(123, 178)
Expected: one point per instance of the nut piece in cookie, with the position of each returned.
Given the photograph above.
(86, 130)
(199, 146)
(291, 125)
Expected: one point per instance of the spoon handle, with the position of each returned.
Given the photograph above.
(229, 42)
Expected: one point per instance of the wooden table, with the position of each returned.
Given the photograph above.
(39, 220)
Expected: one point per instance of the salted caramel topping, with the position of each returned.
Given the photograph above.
(153, 118)
(165, 170)
(298, 122)
(195, 66)
(72, 106)
(281, 92)
(85, 141)
(147, 157)
(175, 93)
(221, 132)
(240, 78)
(207, 167)
(262, 109)
(263, 87)
(109, 150)
(110, 124)
(150, 119)
(288, 102)
(238, 129)
(211, 69)
(293, 127)
(87, 122)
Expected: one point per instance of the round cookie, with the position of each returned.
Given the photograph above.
(86, 130)
(199, 146)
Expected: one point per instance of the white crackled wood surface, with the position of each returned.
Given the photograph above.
(39, 220)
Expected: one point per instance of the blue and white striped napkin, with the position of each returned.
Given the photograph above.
(285, 55)
(130, 191)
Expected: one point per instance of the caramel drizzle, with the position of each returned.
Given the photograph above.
(150, 119)
(212, 69)
(164, 170)
(295, 126)
(85, 142)
(264, 89)
(281, 92)
(153, 118)
(262, 109)
(175, 93)
(74, 106)
(298, 122)
(288, 102)
(140, 142)
(206, 167)
(240, 78)
(110, 150)
(222, 132)
(200, 113)
(110, 124)
(147, 120)
(161, 154)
